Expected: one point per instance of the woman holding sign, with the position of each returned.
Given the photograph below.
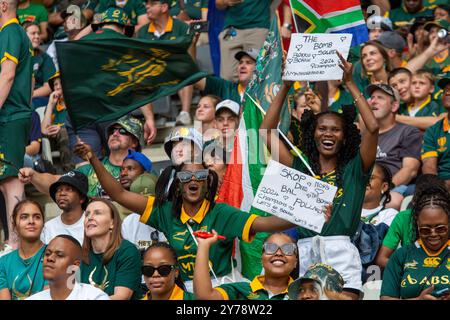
(337, 155)
(191, 209)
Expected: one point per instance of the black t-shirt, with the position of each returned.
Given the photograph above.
(400, 142)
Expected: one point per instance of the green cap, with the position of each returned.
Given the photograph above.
(115, 15)
(327, 277)
(170, 3)
(132, 125)
(144, 184)
(442, 24)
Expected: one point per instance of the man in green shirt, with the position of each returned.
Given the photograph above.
(134, 9)
(163, 27)
(410, 9)
(15, 105)
(246, 25)
(34, 13)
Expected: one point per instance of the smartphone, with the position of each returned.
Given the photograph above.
(199, 27)
(442, 292)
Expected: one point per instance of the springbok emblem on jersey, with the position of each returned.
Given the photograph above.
(104, 284)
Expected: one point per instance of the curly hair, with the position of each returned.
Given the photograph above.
(433, 196)
(350, 146)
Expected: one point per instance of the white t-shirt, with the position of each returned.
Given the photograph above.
(384, 216)
(139, 233)
(81, 291)
(55, 227)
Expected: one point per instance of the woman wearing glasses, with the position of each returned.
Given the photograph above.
(421, 271)
(162, 275)
(192, 208)
(279, 260)
(109, 262)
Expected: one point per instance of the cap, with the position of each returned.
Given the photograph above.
(392, 40)
(444, 82)
(442, 24)
(385, 88)
(115, 15)
(132, 125)
(229, 104)
(144, 184)
(183, 133)
(252, 53)
(384, 22)
(326, 276)
(51, 80)
(141, 158)
(74, 179)
(168, 2)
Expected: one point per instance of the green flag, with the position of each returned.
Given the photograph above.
(105, 78)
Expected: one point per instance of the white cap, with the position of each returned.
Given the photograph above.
(229, 104)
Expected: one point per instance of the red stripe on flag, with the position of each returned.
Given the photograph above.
(231, 190)
(323, 7)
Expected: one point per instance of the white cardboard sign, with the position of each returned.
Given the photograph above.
(312, 56)
(294, 196)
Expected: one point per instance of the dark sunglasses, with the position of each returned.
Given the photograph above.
(163, 270)
(288, 249)
(122, 131)
(186, 176)
(426, 231)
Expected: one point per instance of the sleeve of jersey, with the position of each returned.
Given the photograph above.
(392, 238)
(233, 222)
(10, 48)
(392, 275)
(148, 212)
(429, 147)
(227, 291)
(43, 15)
(216, 86)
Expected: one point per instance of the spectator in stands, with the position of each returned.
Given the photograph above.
(400, 80)
(162, 275)
(43, 66)
(246, 25)
(62, 260)
(227, 89)
(187, 10)
(134, 9)
(205, 114)
(163, 27)
(36, 13)
(398, 144)
(394, 44)
(419, 271)
(442, 12)
(189, 206)
(109, 263)
(435, 153)
(59, 10)
(21, 270)
(227, 122)
(338, 155)
(320, 282)
(440, 63)
(53, 123)
(410, 9)
(279, 261)
(184, 145)
(401, 232)
(217, 159)
(33, 149)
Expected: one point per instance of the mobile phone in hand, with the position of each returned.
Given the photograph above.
(199, 27)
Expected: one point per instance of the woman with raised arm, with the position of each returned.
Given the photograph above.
(337, 155)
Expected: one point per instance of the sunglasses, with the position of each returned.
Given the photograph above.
(122, 131)
(163, 270)
(288, 249)
(186, 176)
(426, 231)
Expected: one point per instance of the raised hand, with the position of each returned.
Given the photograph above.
(347, 67)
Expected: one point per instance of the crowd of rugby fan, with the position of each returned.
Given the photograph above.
(125, 229)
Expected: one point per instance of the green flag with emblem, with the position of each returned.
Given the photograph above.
(107, 77)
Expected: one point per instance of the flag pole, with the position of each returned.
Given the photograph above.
(284, 137)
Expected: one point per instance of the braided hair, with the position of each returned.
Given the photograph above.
(433, 196)
(174, 192)
(350, 146)
(164, 245)
(387, 177)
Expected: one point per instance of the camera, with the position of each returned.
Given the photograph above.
(199, 26)
(443, 35)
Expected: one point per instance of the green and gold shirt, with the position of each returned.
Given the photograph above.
(95, 188)
(174, 29)
(436, 145)
(429, 108)
(177, 294)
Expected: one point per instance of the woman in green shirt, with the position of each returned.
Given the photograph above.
(279, 261)
(109, 262)
(421, 271)
(190, 206)
(339, 156)
(21, 270)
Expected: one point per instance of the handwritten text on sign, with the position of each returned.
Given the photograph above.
(294, 196)
(312, 56)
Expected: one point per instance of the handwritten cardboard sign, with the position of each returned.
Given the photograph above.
(312, 56)
(294, 196)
